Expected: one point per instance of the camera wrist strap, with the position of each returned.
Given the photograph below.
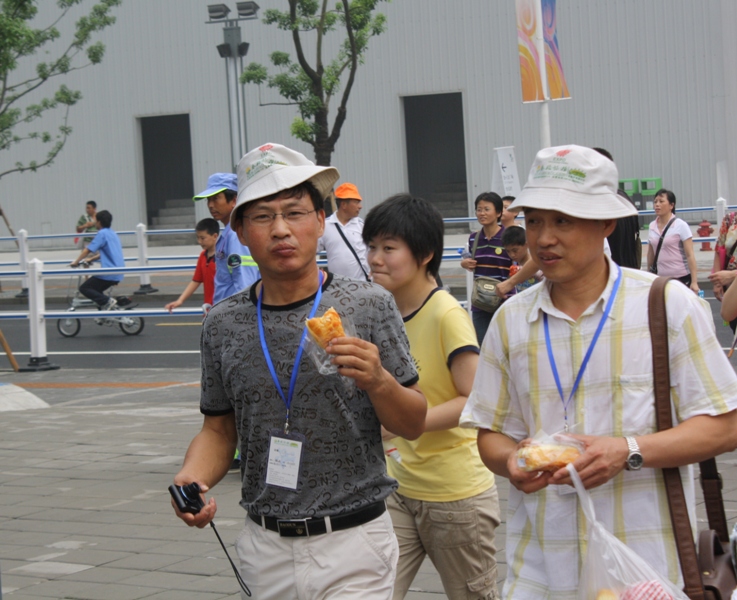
(242, 583)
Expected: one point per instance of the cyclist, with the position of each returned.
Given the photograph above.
(107, 243)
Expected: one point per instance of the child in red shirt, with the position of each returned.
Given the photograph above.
(207, 231)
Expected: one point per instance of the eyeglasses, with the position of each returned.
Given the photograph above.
(265, 219)
(483, 210)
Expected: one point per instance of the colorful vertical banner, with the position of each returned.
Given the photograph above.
(537, 37)
(557, 86)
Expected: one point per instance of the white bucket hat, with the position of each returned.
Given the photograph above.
(273, 168)
(576, 181)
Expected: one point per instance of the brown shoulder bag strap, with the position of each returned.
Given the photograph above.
(693, 587)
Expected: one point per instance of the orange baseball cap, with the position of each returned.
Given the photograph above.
(347, 191)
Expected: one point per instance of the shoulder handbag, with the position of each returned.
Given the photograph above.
(654, 266)
(353, 250)
(708, 573)
(483, 293)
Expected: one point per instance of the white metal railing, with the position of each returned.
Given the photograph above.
(142, 233)
(33, 277)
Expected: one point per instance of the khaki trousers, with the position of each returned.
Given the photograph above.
(457, 536)
(357, 563)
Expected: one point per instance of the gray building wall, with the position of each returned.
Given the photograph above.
(654, 81)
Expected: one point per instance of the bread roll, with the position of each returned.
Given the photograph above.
(607, 595)
(546, 457)
(326, 328)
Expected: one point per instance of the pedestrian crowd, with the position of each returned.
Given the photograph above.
(373, 441)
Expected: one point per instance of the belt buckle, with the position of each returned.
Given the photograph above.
(292, 527)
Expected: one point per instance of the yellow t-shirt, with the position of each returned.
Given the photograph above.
(439, 466)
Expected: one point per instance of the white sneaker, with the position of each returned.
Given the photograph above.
(110, 304)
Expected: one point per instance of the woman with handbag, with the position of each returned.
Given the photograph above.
(670, 243)
(487, 260)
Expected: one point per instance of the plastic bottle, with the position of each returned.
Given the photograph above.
(391, 450)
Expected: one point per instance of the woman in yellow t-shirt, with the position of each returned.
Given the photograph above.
(446, 506)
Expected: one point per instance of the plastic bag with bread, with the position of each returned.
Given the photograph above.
(548, 452)
(322, 330)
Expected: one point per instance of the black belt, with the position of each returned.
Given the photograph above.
(317, 526)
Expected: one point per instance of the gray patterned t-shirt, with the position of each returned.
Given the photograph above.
(343, 466)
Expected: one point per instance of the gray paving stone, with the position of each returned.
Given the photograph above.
(161, 579)
(179, 594)
(103, 575)
(202, 565)
(145, 561)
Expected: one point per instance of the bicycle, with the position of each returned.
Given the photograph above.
(70, 326)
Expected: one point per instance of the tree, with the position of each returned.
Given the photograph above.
(313, 87)
(19, 41)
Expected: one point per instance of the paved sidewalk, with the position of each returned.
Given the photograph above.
(84, 509)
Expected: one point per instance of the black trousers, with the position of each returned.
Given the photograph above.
(94, 287)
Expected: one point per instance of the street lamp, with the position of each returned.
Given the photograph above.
(233, 50)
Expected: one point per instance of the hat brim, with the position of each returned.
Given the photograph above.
(574, 204)
(211, 192)
(323, 178)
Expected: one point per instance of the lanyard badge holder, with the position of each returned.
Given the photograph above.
(551, 358)
(285, 447)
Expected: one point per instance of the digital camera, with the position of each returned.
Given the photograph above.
(187, 497)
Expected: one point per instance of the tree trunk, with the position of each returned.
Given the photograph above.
(323, 154)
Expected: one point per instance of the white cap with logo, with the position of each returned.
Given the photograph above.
(273, 168)
(575, 181)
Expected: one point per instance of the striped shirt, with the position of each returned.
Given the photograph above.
(491, 258)
(514, 393)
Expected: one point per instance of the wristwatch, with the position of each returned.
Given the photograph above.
(634, 458)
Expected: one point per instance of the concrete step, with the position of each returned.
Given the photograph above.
(186, 212)
(179, 203)
(175, 222)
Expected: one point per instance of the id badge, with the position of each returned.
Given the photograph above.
(285, 457)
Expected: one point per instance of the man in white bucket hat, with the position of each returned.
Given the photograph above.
(574, 354)
(314, 478)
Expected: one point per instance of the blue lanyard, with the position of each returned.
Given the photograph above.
(551, 358)
(295, 370)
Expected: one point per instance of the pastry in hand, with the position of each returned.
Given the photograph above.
(546, 457)
(326, 328)
(607, 595)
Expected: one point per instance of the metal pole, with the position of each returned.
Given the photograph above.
(230, 113)
(36, 309)
(22, 241)
(544, 108)
(545, 124)
(721, 211)
(142, 246)
(243, 104)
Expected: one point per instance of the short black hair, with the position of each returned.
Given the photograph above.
(492, 197)
(413, 220)
(514, 236)
(208, 225)
(512, 198)
(230, 195)
(92, 203)
(669, 195)
(318, 202)
(104, 218)
(604, 152)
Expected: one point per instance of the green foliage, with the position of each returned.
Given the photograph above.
(311, 87)
(20, 41)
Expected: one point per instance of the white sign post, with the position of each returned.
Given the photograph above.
(504, 177)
